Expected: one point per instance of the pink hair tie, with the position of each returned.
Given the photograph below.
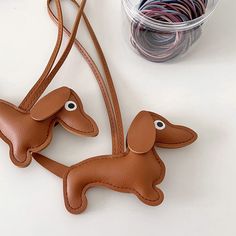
(163, 45)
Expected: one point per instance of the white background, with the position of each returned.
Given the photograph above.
(198, 90)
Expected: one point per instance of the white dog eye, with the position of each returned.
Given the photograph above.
(70, 106)
(160, 125)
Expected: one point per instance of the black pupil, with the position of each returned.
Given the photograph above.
(71, 105)
(160, 124)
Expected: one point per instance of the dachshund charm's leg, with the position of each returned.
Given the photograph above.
(74, 194)
(19, 155)
(149, 195)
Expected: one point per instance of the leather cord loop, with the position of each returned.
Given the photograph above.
(42, 83)
(106, 86)
(27, 103)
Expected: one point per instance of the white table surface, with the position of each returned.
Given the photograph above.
(198, 90)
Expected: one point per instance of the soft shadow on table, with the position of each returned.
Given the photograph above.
(184, 182)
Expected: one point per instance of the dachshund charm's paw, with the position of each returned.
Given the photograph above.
(151, 196)
(20, 157)
(74, 195)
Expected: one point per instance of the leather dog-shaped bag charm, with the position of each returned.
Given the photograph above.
(27, 132)
(28, 128)
(136, 171)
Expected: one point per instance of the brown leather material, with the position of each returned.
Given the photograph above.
(44, 81)
(56, 168)
(130, 172)
(27, 132)
(55, 100)
(175, 136)
(142, 133)
(27, 103)
(41, 113)
(106, 86)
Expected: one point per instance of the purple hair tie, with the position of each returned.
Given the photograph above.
(161, 46)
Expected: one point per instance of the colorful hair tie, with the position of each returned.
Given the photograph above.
(159, 45)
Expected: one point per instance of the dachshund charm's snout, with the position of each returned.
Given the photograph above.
(74, 119)
(171, 136)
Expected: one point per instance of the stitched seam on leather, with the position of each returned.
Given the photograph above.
(47, 135)
(48, 131)
(106, 183)
(74, 129)
(44, 86)
(99, 77)
(37, 85)
(180, 142)
(63, 57)
(49, 65)
(176, 143)
(93, 66)
(44, 83)
(124, 188)
(5, 139)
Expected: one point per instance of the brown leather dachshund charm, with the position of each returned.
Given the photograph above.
(27, 132)
(137, 171)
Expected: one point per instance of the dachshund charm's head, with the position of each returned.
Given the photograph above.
(65, 106)
(149, 129)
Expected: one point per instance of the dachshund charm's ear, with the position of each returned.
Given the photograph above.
(142, 134)
(50, 104)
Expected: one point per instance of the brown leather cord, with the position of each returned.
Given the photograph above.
(54, 167)
(108, 91)
(109, 95)
(35, 93)
(27, 103)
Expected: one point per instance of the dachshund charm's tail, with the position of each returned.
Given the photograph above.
(53, 166)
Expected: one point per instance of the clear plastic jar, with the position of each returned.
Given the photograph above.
(158, 40)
